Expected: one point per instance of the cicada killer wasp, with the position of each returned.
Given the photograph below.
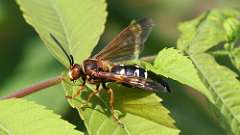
(106, 65)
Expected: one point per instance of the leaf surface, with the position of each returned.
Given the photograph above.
(77, 24)
(224, 87)
(173, 64)
(218, 79)
(21, 117)
(33, 68)
(132, 105)
(206, 31)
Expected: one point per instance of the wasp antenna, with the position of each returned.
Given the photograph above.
(72, 60)
(70, 57)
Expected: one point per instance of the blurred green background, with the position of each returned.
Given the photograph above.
(25, 61)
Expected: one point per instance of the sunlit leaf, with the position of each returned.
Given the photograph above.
(77, 24)
(224, 87)
(96, 121)
(135, 106)
(220, 81)
(206, 31)
(232, 27)
(21, 117)
(188, 31)
(171, 63)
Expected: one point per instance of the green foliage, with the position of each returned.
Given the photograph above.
(234, 55)
(26, 72)
(213, 28)
(226, 95)
(232, 27)
(76, 24)
(143, 107)
(171, 63)
(17, 117)
(67, 23)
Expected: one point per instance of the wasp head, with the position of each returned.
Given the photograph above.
(75, 72)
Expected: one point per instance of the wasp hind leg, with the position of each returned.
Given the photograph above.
(111, 104)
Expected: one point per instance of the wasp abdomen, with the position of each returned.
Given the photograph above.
(129, 70)
(151, 80)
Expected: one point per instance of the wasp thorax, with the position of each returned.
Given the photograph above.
(75, 72)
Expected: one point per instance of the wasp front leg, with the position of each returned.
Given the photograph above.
(81, 88)
(94, 93)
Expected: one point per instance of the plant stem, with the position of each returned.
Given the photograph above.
(148, 58)
(48, 83)
(34, 88)
(220, 53)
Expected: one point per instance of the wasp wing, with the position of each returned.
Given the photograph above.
(128, 44)
(149, 84)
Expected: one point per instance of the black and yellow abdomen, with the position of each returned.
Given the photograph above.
(129, 70)
(146, 79)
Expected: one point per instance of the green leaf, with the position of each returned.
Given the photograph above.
(96, 120)
(224, 87)
(33, 68)
(220, 81)
(21, 117)
(135, 106)
(235, 57)
(77, 24)
(171, 63)
(232, 27)
(206, 31)
(143, 104)
(191, 112)
(188, 31)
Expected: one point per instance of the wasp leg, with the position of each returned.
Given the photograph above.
(81, 87)
(111, 104)
(94, 93)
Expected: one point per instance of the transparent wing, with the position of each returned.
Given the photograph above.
(128, 44)
(150, 84)
(147, 84)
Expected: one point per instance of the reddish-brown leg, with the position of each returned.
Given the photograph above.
(94, 93)
(111, 104)
(81, 87)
